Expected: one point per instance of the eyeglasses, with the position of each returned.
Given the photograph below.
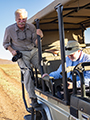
(70, 48)
(18, 36)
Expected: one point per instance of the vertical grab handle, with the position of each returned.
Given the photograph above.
(40, 54)
(59, 9)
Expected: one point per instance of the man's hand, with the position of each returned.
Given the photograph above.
(40, 33)
(45, 74)
(13, 52)
(70, 85)
(46, 77)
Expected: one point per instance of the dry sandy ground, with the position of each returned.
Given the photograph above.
(11, 102)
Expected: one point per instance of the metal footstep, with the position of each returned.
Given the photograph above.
(27, 117)
(37, 113)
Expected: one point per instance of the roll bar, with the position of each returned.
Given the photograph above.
(40, 54)
(78, 70)
(59, 9)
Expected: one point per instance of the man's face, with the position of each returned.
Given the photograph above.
(21, 21)
(74, 56)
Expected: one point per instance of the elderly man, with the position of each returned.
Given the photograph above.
(75, 55)
(21, 37)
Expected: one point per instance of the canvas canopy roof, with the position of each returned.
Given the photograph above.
(76, 15)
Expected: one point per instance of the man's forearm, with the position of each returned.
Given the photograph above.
(10, 49)
(13, 52)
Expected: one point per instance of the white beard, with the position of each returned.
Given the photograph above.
(77, 56)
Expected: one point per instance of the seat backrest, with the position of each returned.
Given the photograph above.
(51, 66)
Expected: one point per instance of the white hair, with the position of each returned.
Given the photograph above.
(21, 11)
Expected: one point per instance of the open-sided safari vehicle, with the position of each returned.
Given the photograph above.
(69, 17)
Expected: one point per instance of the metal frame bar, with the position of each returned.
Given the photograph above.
(59, 9)
(81, 76)
(40, 54)
(79, 72)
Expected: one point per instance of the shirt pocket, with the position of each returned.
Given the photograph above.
(29, 35)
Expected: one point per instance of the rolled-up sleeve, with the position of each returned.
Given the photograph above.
(6, 40)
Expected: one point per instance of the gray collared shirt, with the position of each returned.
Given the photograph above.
(18, 39)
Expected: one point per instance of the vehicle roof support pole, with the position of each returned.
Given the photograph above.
(59, 9)
(40, 54)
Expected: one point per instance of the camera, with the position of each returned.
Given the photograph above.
(17, 56)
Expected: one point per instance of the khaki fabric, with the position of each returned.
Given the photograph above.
(29, 57)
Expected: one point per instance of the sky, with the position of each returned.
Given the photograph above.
(7, 9)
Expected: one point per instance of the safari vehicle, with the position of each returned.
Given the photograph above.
(69, 17)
